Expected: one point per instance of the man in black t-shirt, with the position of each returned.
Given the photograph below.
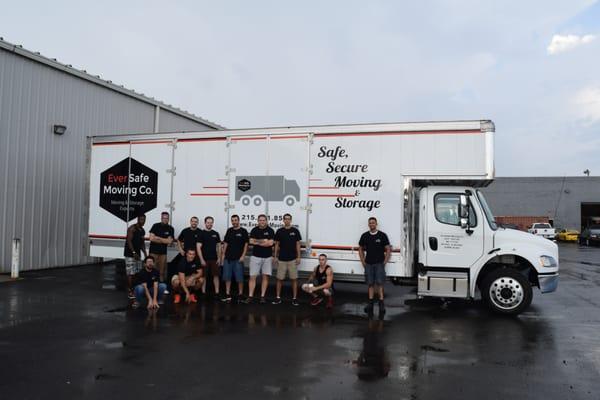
(377, 246)
(161, 236)
(287, 257)
(261, 261)
(134, 246)
(149, 287)
(210, 254)
(189, 277)
(235, 245)
(189, 238)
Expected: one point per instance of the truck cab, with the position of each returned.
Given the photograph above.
(461, 250)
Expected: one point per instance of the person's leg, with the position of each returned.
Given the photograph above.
(227, 273)
(238, 272)
(161, 291)
(281, 272)
(267, 270)
(255, 264)
(216, 274)
(140, 293)
(370, 280)
(293, 272)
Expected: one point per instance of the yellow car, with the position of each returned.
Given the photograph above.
(568, 235)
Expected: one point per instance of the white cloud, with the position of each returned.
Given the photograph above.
(587, 104)
(562, 43)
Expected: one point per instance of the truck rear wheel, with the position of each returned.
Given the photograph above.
(506, 291)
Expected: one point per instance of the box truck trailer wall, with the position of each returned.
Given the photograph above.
(331, 179)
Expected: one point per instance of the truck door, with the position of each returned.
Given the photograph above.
(446, 243)
(269, 175)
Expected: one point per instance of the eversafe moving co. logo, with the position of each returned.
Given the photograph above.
(126, 192)
(260, 188)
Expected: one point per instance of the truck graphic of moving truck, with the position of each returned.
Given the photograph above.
(260, 188)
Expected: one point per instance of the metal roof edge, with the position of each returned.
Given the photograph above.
(53, 63)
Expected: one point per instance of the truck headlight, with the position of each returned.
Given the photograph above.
(547, 261)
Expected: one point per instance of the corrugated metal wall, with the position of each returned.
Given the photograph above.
(558, 198)
(42, 175)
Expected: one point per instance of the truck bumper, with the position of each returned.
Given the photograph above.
(548, 283)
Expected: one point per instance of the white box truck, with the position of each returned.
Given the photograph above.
(420, 180)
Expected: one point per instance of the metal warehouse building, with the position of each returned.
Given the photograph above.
(568, 202)
(46, 111)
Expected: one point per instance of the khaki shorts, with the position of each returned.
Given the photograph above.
(160, 261)
(190, 281)
(285, 267)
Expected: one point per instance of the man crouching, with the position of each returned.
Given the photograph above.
(188, 277)
(320, 283)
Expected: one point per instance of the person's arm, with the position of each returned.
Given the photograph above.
(155, 295)
(244, 252)
(183, 285)
(223, 251)
(298, 252)
(199, 252)
(147, 292)
(388, 253)
(276, 251)
(130, 241)
(180, 246)
(311, 277)
(361, 255)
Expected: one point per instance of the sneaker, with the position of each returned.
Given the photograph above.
(130, 294)
(369, 308)
(177, 298)
(166, 292)
(193, 298)
(263, 300)
(276, 301)
(240, 299)
(316, 301)
(329, 302)
(226, 298)
(248, 300)
(295, 302)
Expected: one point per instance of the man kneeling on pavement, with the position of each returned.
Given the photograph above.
(320, 283)
(189, 277)
(149, 287)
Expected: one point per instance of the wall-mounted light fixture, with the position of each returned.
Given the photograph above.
(59, 129)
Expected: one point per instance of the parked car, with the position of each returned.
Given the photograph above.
(543, 229)
(590, 236)
(568, 235)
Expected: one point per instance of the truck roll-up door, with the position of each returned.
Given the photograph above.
(200, 185)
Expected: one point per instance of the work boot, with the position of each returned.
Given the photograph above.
(381, 308)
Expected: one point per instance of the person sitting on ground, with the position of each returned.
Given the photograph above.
(189, 277)
(320, 283)
(149, 287)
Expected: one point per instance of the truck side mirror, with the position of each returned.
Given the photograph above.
(463, 208)
(464, 223)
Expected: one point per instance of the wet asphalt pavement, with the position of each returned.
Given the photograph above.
(66, 334)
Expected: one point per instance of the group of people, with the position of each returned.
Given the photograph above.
(204, 256)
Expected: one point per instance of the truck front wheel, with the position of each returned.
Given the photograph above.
(506, 291)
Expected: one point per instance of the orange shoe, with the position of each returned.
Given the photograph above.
(177, 298)
(193, 298)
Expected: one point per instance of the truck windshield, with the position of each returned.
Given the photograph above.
(487, 211)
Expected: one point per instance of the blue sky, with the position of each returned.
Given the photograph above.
(531, 66)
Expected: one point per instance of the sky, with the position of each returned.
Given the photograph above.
(533, 67)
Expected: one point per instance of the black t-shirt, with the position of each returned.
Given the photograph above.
(267, 233)
(148, 277)
(164, 231)
(374, 245)
(137, 240)
(209, 240)
(189, 238)
(287, 239)
(235, 239)
(188, 268)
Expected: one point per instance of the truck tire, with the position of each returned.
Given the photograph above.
(246, 200)
(289, 200)
(506, 291)
(257, 200)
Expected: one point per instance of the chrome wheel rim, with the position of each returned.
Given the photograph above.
(506, 293)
